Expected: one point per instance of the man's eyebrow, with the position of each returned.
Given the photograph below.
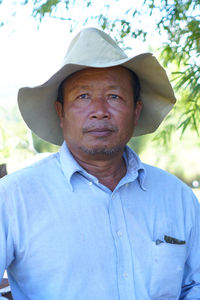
(82, 87)
(114, 87)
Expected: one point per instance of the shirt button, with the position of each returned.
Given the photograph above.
(125, 274)
(90, 183)
(119, 233)
(126, 184)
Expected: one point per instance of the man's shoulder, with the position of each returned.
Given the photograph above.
(169, 189)
(160, 177)
(37, 169)
(150, 169)
(152, 173)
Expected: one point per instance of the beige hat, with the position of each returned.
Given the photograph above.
(92, 47)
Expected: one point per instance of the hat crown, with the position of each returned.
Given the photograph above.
(92, 47)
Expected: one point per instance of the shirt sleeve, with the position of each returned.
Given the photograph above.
(191, 278)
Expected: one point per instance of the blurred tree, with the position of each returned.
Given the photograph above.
(181, 21)
(12, 146)
(43, 146)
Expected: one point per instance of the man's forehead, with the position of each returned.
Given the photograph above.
(91, 73)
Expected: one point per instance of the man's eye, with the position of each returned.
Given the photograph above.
(113, 97)
(83, 96)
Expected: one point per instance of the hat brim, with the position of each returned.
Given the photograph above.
(37, 104)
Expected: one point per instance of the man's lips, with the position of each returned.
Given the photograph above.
(100, 131)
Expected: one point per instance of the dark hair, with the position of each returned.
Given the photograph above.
(135, 83)
(136, 86)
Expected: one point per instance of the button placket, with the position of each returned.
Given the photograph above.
(123, 249)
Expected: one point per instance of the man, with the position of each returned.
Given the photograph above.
(93, 221)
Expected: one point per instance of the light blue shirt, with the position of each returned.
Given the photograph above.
(63, 235)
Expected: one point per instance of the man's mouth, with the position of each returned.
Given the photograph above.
(100, 131)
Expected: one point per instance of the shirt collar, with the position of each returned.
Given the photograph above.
(70, 166)
(68, 163)
(135, 168)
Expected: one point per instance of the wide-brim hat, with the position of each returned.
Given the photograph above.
(92, 47)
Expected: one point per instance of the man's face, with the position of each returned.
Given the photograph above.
(98, 116)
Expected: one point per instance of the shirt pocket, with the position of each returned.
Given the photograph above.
(167, 271)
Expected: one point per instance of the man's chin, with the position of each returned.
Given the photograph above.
(102, 151)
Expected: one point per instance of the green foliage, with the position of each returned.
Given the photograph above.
(182, 23)
(41, 9)
(43, 146)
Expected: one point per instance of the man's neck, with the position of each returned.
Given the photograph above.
(108, 171)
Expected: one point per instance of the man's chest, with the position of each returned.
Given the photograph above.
(83, 239)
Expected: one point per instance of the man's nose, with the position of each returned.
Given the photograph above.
(99, 109)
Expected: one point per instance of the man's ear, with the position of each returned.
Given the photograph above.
(137, 111)
(59, 110)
